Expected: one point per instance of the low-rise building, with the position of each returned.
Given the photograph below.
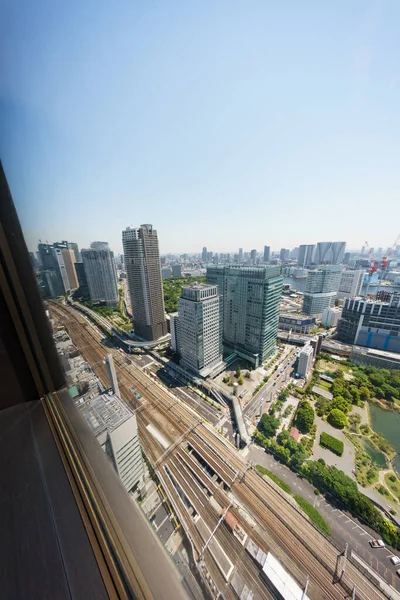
(297, 323)
(369, 357)
(115, 428)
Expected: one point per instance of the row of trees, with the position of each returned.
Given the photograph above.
(344, 490)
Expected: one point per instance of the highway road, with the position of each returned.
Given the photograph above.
(197, 468)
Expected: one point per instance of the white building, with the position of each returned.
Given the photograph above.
(174, 327)
(305, 360)
(321, 289)
(115, 428)
(101, 275)
(350, 284)
(331, 316)
(199, 328)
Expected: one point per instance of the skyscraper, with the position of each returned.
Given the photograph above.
(82, 281)
(142, 262)
(204, 254)
(69, 261)
(284, 254)
(199, 340)
(306, 255)
(53, 271)
(305, 360)
(240, 254)
(73, 246)
(267, 252)
(321, 289)
(100, 275)
(250, 300)
(330, 253)
(99, 246)
(253, 255)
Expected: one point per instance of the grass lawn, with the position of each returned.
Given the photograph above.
(325, 365)
(394, 486)
(324, 385)
(313, 514)
(263, 471)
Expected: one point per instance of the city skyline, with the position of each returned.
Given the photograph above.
(203, 118)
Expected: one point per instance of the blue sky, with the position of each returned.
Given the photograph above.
(223, 123)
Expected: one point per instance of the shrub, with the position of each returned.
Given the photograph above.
(313, 514)
(392, 478)
(331, 443)
(274, 478)
(337, 418)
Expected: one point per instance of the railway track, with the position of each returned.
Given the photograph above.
(284, 530)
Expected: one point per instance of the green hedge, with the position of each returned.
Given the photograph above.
(314, 515)
(275, 478)
(332, 443)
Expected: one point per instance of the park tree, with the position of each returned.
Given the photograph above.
(304, 416)
(341, 403)
(283, 395)
(337, 418)
(365, 394)
(268, 425)
(283, 437)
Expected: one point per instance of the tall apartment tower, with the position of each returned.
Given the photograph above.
(306, 255)
(199, 339)
(321, 289)
(143, 269)
(351, 283)
(250, 299)
(69, 261)
(267, 252)
(101, 275)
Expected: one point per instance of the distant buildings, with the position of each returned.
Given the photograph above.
(329, 253)
(142, 263)
(101, 274)
(197, 331)
(331, 316)
(54, 274)
(321, 289)
(166, 272)
(253, 256)
(306, 255)
(305, 360)
(267, 253)
(250, 300)
(204, 254)
(371, 324)
(177, 270)
(115, 428)
(284, 254)
(350, 283)
(69, 261)
(241, 254)
(296, 323)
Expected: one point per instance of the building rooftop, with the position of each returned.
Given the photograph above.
(199, 286)
(379, 353)
(105, 412)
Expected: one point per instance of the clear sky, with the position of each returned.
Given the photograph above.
(224, 123)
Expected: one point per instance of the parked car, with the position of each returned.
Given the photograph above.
(377, 543)
(395, 560)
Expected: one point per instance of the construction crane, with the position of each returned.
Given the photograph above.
(385, 259)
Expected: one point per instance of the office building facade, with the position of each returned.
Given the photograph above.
(305, 360)
(331, 253)
(250, 305)
(115, 428)
(101, 275)
(321, 289)
(177, 270)
(350, 284)
(296, 323)
(306, 255)
(53, 271)
(174, 329)
(83, 288)
(331, 316)
(267, 253)
(199, 339)
(143, 269)
(284, 254)
(371, 324)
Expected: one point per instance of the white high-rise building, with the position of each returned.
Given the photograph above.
(350, 284)
(305, 360)
(331, 316)
(305, 257)
(143, 269)
(321, 289)
(174, 327)
(200, 328)
(101, 275)
(330, 253)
